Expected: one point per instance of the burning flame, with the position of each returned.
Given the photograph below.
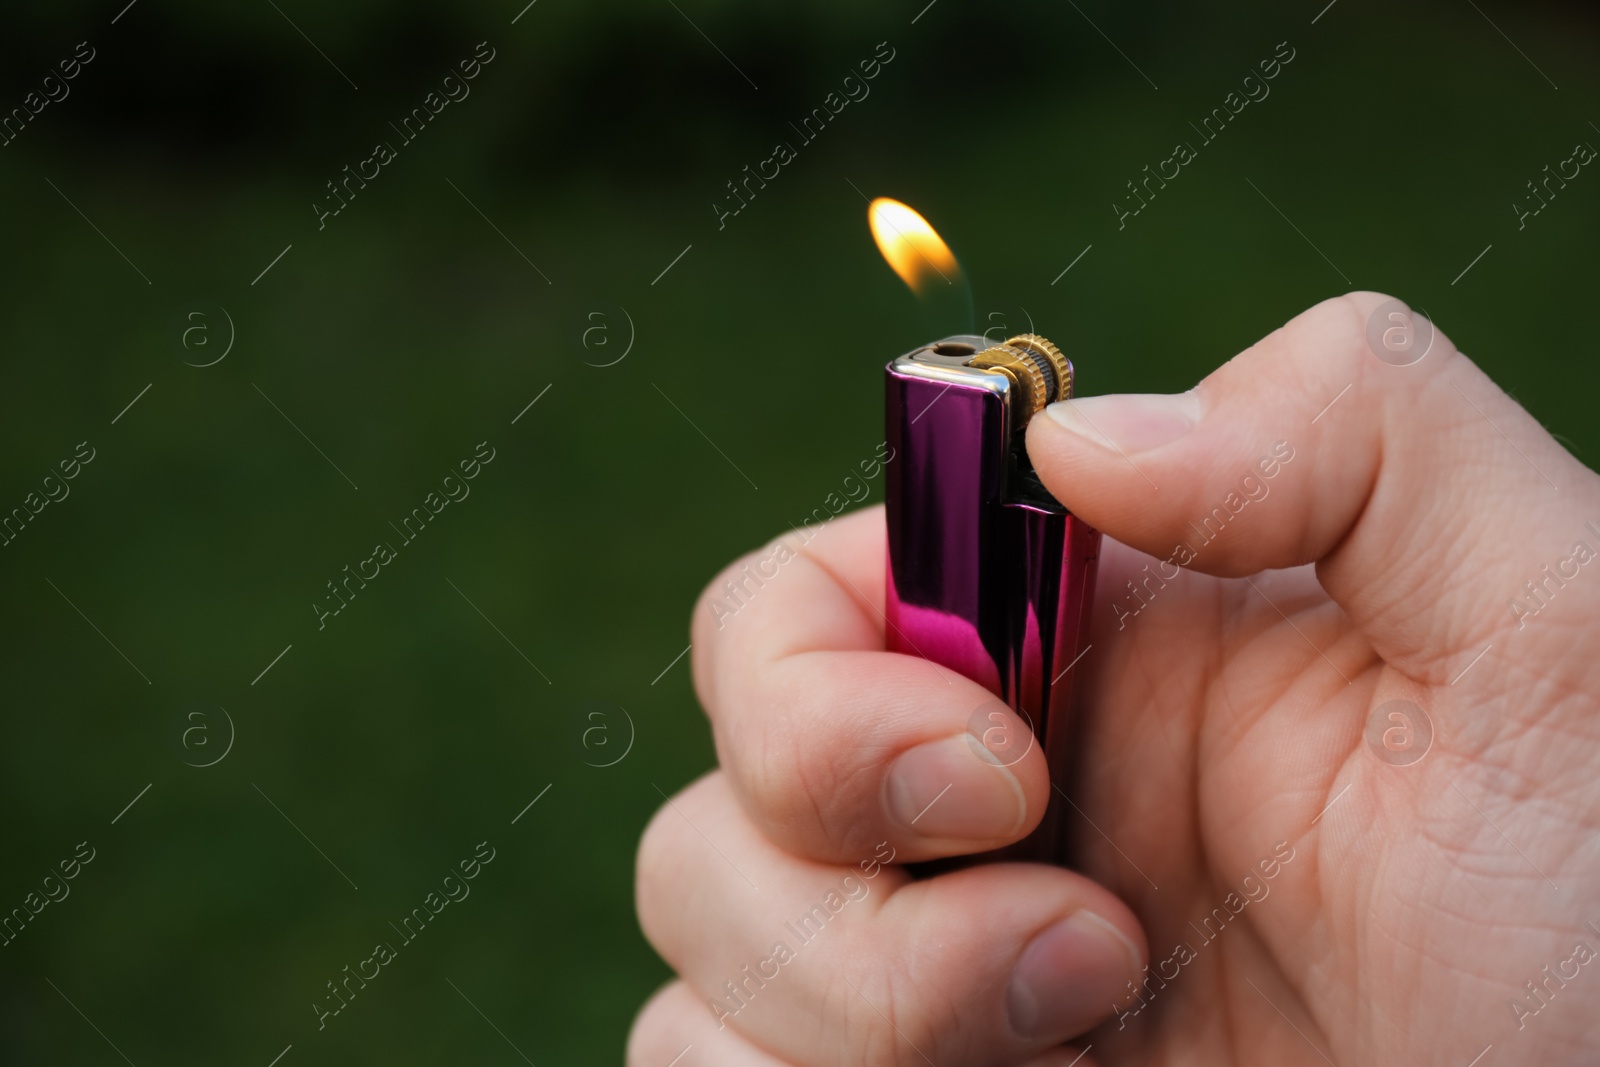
(910, 245)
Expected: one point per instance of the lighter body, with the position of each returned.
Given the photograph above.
(989, 576)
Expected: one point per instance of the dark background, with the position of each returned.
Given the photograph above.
(408, 330)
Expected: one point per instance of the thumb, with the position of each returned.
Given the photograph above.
(1357, 438)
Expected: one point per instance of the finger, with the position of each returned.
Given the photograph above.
(1395, 480)
(674, 1030)
(825, 964)
(832, 744)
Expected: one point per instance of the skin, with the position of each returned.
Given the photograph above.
(1224, 725)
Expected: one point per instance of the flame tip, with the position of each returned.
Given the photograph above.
(911, 246)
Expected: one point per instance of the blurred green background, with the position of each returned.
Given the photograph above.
(468, 677)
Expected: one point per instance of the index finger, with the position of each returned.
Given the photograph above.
(834, 745)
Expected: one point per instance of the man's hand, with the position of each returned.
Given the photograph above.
(1337, 781)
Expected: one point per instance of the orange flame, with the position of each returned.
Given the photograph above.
(912, 247)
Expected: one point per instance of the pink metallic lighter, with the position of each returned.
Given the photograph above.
(989, 576)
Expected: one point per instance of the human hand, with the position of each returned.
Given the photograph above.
(1319, 881)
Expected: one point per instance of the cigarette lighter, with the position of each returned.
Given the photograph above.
(989, 576)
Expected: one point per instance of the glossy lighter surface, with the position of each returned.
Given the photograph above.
(987, 576)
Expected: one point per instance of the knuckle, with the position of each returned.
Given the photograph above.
(712, 610)
(765, 765)
(884, 1022)
(650, 1038)
(806, 788)
(712, 605)
(1341, 323)
(1334, 327)
(791, 791)
(709, 594)
(654, 868)
(1361, 337)
(1364, 300)
(667, 874)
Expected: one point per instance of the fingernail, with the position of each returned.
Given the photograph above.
(955, 788)
(1069, 976)
(1132, 422)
